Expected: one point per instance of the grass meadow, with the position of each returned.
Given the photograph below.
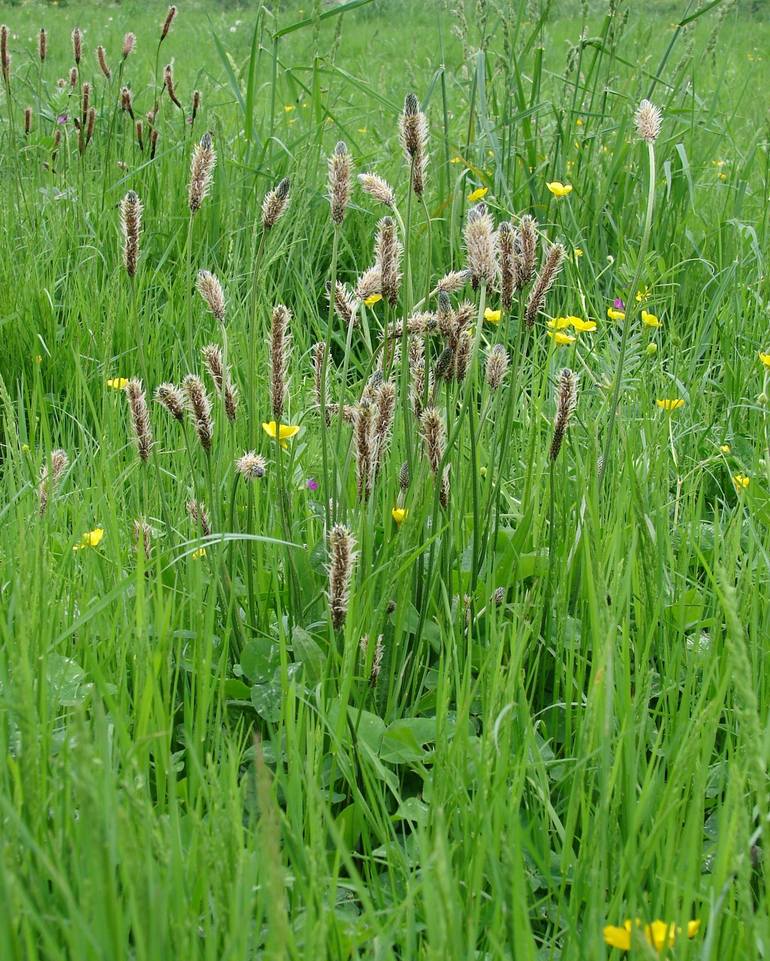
(384, 562)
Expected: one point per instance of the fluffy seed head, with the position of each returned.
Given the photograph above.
(197, 511)
(131, 225)
(199, 406)
(196, 104)
(101, 57)
(417, 370)
(168, 83)
(497, 366)
(379, 649)
(526, 251)
(126, 102)
(387, 254)
(480, 251)
(648, 120)
(280, 344)
(382, 424)
(434, 435)
(50, 476)
(201, 170)
(566, 401)
(378, 188)
(362, 424)
(230, 395)
(251, 466)
(340, 170)
(345, 304)
(413, 134)
(211, 291)
(73, 77)
(549, 271)
(212, 358)
(129, 42)
(369, 283)
(341, 560)
(141, 534)
(172, 399)
(453, 281)
(140, 418)
(275, 203)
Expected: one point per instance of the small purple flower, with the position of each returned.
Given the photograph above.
(62, 118)
(312, 484)
(618, 304)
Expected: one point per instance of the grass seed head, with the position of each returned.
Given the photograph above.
(42, 45)
(506, 243)
(129, 42)
(126, 102)
(27, 121)
(199, 406)
(170, 17)
(497, 366)
(480, 253)
(77, 45)
(50, 477)
(280, 345)
(377, 188)
(141, 534)
(413, 134)
(168, 83)
(340, 171)
(275, 203)
(526, 251)
(131, 225)
(101, 57)
(140, 418)
(198, 513)
(251, 466)
(369, 283)
(201, 172)
(341, 560)
(648, 121)
(211, 291)
(345, 304)
(172, 399)
(549, 271)
(387, 252)
(566, 401)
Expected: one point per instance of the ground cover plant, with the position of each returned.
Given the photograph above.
(384, 469)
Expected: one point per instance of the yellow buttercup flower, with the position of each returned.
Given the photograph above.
(582, 326)
(558, 323)
(578, 252)
(642, 294)
(725, 448)
(289, 108)
(90, 539)
(658, 934)
(285, 432)
(765, 358)
(373, 299)
(456, 160)
(558, 189)
(493, 316)
(399, 514)
(560, 338)
(201, 552)
(478, 194)
(117, 383)
(650, 320)
(741, 481)
(614, 314)
(672, 403)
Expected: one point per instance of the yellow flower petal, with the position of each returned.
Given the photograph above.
(493, 316)
(660, 935)
(560, 338)
(289, 107)
(456, 160)
(201, 552)
(559, 189)
(765, 358)
(582, 326)
(373, 299)
(559, 323)
(284, 431)
(117, 383)
(90, 539)
(650, 320)
(725, 448)
(478, 193)
(642, 295)
(618, 937)
(742, 481)
(673, 403)
(692, 928)
(578, 252)
(616, 314)
(399, 514)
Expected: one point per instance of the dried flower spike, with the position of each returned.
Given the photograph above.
(168, 83)
(141, 533)
(42, 45)
(126, 103)
(526, 251)
(131, 224)
(566, 402)
(345, 304)
(196, 105)
(129, 42)
(340, 170)
(648, 120)
(171, 398)
(341, 560)
(170, 17)
(5, 56)
(480, 251)
(77, 45)
(387, 252)
(27, 121)
(140, 418)
(497, 366)
(199, 405)
(413, 134)
(101, 57)
(201, 170)
(197, 511)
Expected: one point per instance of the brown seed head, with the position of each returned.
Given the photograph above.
(378, 188)
(90, 123)
(172, 399)
(387, 252)
(417, 371)
(212, 358)
(42, 45)
(340, 170)
(549, 271)
(170, 17)
(142, 534)
(196, 105)
(648, 121)
(525, 251)
(280, 345)
(403, 476)
(101, 57)
(199, 406)
(497, 366)
(77, 45)
(140, 418)
(153, 142)
(129, 42)
(566, 401)
(345, 304)
(382, 424)
(5, 56)
(341, 560)
(275, 203)
(131, 225)
(126, 103)
(140, 135)
(413, 134)
(168, 83)
(434, 435)
(452, 282)
(369, 283)
(201, 171)
(197, 511)
(211, 291)
(463, 355)
(363, 437)
(50, 477)
(27, 120)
